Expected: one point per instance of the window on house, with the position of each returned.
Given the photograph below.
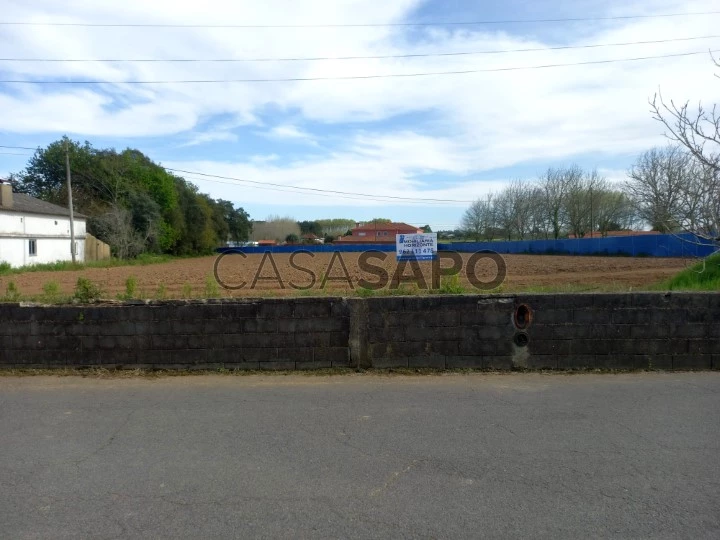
(32, 247)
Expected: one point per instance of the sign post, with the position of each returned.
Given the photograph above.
(416, 247)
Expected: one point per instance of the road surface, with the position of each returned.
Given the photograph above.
(362, 456)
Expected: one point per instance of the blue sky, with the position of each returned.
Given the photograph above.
(453, 137)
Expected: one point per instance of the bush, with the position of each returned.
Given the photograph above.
(451, 285)
(186, 291)
(130, 289)
(5, 268)
(211, 287)
(51, 290)
(161, 293)
(86, 291)
(12, 293)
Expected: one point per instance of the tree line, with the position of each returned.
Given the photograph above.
(132, 203)
(671, 189)
(667, 189)
(560, 202)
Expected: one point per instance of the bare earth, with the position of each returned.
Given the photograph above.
(523, 271)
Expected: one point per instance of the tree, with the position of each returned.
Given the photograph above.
(310, 227)
(554, 187)
(519, 201)
(380, 220)
(698, 131)
(275, 228)
(165, 212)
(292, 239)
(657, 184)
(336, 226)
(238, 221)
(426, 229)
(475, 220)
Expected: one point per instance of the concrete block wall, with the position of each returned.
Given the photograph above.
(561, 331)
(301, 333)
(535, 331)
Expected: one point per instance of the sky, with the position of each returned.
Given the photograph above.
(415, 149)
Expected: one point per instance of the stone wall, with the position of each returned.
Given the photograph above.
(537, 331)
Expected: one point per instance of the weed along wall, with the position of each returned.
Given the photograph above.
(534, 331)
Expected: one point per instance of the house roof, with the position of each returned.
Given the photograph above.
(30, 205)
(386, 227)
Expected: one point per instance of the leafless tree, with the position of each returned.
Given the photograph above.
(504, 211)
(275, 228)
(658, 183)
(554, 185)
(698, 130)
(478, 220)
(611, 210)
(519, 196)
(115, 226)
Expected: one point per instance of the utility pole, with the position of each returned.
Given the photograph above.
(70, 201)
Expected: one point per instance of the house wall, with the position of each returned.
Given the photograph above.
(52, 235)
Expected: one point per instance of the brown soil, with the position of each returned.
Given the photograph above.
(523, 271)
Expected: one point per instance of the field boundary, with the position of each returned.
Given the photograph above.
(494, 332)
(655, 245)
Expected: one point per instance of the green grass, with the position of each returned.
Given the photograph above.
(61, 266)
(704, 276)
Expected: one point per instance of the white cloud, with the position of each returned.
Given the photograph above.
(290, 132)
(210, 136)
(465, 124)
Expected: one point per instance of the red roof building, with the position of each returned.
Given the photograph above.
(377, 233)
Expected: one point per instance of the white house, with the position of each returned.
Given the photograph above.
(34, 231)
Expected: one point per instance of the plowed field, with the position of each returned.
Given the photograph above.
(177, 278)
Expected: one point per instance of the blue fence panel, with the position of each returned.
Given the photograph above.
(656, 245)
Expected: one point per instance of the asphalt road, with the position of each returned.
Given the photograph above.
(367, 456)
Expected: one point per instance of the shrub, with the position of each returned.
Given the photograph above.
(211, 287)
(130, 289)
(51, 290)
(451, 285)
(161, 293)
(12, 293)
(186, 291)
(86, 291)
(5, 268)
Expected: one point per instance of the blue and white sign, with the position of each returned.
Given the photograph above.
(416, 247)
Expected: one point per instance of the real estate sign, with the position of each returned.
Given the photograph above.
(416, 247)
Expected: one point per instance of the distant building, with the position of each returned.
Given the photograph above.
(310, 238)
(34, 231)
(266, 243)
(377, 233)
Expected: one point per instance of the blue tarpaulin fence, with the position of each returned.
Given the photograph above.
(652, 245)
